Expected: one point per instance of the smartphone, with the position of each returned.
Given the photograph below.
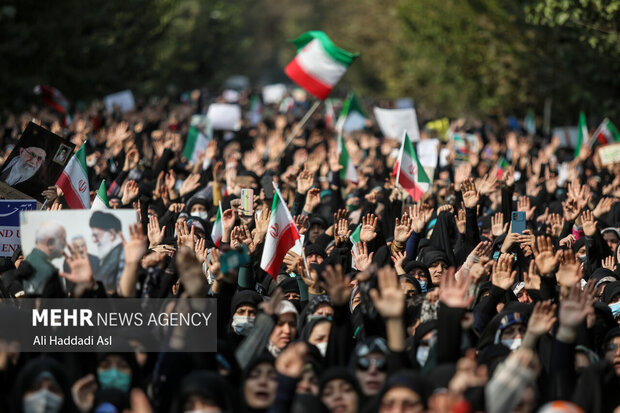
(247, 202)
(518, 221)
(233, 259)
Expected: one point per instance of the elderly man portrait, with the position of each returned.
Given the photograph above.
(23, 171)
(50, 241)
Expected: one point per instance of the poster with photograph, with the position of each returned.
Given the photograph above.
(9, 224)
(36, 162)
(45, 235)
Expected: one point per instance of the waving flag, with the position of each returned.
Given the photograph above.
(281, 236)
(605, 134)
(101, 200)
(348, 170)
(74, 181)
(319, 63)
(55, 100)
(582, 133)
(352, 116)
(218, 228)
(409, 172)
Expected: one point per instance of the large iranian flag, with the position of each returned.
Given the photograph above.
(74, 181)
(319, 63)
(409, 172)
(281, 236)
(605, 134)
(101, 200)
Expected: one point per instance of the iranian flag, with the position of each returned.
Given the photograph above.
(53, 98)
(195, 144)
(355, 238)
(605, 134)
(348, 170)
(101, 200)
(319, 63)
(74, 181)
(409, 172)
(582, 133)
(352, 116)
(218, 228)
(281, 236)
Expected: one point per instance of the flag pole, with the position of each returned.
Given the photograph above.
(298, 127)
(400, 161)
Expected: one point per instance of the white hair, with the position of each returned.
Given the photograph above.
(48, 229)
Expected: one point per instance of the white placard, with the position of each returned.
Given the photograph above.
(224, 116)
(273, 93)
(427, 152)
(610, 154)
(124, 100)
(394, 122)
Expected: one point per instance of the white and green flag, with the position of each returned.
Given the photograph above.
(199, 135)
(352, 116)
(348, 171)
(101, 200)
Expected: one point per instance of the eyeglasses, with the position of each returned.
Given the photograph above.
(364, 363)
(612, 347)
(33, 156)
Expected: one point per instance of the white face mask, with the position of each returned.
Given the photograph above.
(242, 325)
(43, 401)
(512, 344)
(322, 348)
(422, 355)
(582, 258)
(200, 214)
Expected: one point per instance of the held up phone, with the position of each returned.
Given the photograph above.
(247, 202)
(233, 259)
(518, 221)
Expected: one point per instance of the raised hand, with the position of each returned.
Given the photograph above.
(576, 305)
(131, 160)
(342, 232)
(580, 194)
(130, 192)
(488, 184)
(403, 229)
(419, 218)
(170, 180)
(461, 219)
(228, 220)
(470, 195)
(603, 207)
(609, 263)
(390, 303)
(369, 228)
(270, 306)
(213, 263)
(363, 259)
(398, 258)
(588, 223)
(301, 222)
(497, 225)
(136, 246)
(292, 359)
(453, 292)
(155, 233)
(569, 272)
(190, 184)
(201, 250)
(542, 319)
(524, 205)
(531, 279)
(336, 285)
(557, 224)
(570, 209)
(261, 224)
(185, 236)
(79, 265)
(313, 199)
(503, 276)
(568, 241)
(305, 180)
(544, 257)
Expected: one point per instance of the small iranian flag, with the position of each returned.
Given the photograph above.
(355, 238)
(53, 98)
(281, 236)
(352, 116)
(348, 170)
(196, 143)
(605, 134)
(319, 63)
(582, 133)
(74, 181)
(409, 172)
(101, 200)
(218, 228)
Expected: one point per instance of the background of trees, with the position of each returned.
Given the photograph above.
(454, 57)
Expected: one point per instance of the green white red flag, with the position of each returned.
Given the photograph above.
(74, 181)
(409, 172)
(53, 98)
(319, 63)
(348, 171)
(101, 200)
(281, 235)
(605, 134)
(352, 116)
(218, 227)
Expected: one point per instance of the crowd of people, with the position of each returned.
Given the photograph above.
(440, 307)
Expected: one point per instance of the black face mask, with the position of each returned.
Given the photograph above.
(297, 304)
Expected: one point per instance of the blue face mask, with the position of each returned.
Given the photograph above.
(422, 285)
(114, 379)
(615, 309)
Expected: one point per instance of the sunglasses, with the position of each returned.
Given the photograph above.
(364, 363)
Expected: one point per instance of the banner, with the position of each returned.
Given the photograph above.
(610, 154)
(224, 116)
(273, 93)
(10, 238)
(123, 100)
